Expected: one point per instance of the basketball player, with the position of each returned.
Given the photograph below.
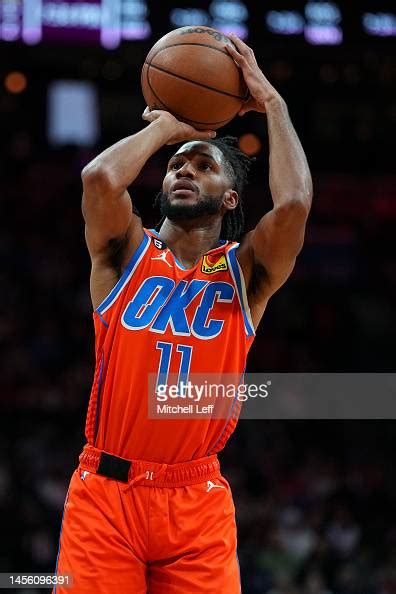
(147, 508)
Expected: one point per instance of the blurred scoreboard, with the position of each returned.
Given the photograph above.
(110, 22)
(107, 22)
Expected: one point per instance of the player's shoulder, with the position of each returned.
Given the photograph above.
(155, 239)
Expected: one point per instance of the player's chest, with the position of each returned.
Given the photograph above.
(181, 306)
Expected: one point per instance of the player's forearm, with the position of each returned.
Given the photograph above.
(119, 165)
(289, 176)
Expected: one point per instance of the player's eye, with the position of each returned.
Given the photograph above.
(176, 165)
(205, 166)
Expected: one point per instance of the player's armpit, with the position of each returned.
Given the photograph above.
(109, 264)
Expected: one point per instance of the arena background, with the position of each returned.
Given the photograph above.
(315, 500)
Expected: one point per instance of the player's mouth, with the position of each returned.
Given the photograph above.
(183, 187)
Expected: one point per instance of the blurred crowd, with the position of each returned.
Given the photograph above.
(315, 500)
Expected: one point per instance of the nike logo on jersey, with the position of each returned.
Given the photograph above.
(162, 256)
(213, 486)
(160, 303)
(83, 475)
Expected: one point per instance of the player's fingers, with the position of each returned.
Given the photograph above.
(205, 134)
(247, 106)
(192, 134)
(148, 114)
(244, 110)
(231, 48)
(239, 59)
(151, 114)
(244, 49)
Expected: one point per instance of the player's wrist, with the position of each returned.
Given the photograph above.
(274, 102)
(163, 127)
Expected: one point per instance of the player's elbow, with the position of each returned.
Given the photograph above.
(294, 208)
(301, 204)
(96, 177)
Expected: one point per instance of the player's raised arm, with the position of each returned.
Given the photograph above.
(106, 204)
(274, 244)
(112, 231)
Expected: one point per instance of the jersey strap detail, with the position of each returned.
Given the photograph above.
(156, 234)
(239, 281)
(229, 424)
(103, 320)
(126, 275)
(98, 398)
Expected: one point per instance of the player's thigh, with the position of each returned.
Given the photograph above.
(93, 549)
(198, 575)
(202, 547)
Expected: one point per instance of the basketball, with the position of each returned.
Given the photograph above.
(189, 73)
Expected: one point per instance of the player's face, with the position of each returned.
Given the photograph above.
(195, 182)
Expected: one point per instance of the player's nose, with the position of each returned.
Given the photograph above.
(186, 170)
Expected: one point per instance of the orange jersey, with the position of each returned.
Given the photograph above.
(161, 318)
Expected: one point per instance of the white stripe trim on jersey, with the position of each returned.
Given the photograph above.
(237, 275)
(126, 275)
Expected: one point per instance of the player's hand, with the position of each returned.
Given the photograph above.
(178, 131)
(261, 90)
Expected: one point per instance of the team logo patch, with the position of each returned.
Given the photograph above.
(212, 264)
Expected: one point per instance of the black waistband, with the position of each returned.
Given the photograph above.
(114, 467)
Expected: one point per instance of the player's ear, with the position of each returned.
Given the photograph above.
(230, 199)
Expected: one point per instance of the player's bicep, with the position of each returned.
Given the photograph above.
(277, 240)
(106, 217)
(108, 213)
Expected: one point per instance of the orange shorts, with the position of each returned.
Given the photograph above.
(170, 529)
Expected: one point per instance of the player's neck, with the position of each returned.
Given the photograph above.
(190, 240)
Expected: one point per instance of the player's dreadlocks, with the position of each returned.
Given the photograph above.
(237, 166)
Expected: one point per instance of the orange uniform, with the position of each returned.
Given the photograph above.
(138, 516)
